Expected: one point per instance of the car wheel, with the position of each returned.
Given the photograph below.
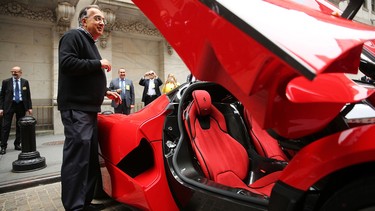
(357, 195)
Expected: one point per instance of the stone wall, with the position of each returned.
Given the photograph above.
(30, 47)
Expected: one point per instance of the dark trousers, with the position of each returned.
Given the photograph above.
(122, 108)
(80, 166)
(19, 110)
(149, 99)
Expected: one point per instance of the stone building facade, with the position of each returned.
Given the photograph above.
(30, 33)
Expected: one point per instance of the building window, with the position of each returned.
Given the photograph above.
(372, 5)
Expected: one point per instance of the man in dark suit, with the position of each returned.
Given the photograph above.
(125, 88)
(15, 98)
(151, 83)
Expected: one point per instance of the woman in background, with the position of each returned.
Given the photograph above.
(170, 84)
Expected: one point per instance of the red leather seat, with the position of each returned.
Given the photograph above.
(221, 157)
(264, 144)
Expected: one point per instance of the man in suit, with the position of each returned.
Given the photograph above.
(125, 88)
(15, 98)
(151, 83)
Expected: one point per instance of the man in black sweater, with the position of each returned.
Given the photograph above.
(81, 91)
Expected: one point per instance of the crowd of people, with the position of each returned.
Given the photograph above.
(151, 83)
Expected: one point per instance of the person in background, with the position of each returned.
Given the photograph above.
(125, 88)
(82, 85)
(151, 83)
(169, 84)
(15, 98)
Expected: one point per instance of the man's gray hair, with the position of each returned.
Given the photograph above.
(83, 13)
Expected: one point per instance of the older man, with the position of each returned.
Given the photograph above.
(15, 98)
(81, 91)
(125, 88)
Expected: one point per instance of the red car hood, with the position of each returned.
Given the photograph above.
(255, 48)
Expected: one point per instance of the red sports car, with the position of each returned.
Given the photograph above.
(271, 123)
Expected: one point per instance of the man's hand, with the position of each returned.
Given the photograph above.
(106, 65)
(114, 96)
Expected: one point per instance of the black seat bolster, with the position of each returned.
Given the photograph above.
(235, 124)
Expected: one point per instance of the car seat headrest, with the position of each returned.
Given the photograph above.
(203, 102)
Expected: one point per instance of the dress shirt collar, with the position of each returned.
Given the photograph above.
(88, 33)
(14, 79)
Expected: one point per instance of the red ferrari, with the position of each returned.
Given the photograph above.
(272, 122)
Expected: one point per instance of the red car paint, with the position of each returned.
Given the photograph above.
(284, 61)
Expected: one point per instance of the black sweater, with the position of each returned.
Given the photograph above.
(82, 82)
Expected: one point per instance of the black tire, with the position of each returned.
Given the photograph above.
(357, 195)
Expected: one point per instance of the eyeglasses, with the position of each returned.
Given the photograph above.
(100, 19)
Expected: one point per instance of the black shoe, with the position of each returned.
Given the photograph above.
(94, 207)
(17, 147)
(3, 151)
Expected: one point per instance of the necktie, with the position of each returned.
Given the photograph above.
(17, 92)
(122, 89)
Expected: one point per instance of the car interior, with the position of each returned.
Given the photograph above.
(220, 157)
(215, 149)
(214, 143)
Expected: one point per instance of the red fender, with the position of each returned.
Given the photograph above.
(330, 154)
(119, 135)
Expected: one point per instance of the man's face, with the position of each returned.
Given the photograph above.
(152, 75)
(121, 73)
(94, 22)
(16, 72)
